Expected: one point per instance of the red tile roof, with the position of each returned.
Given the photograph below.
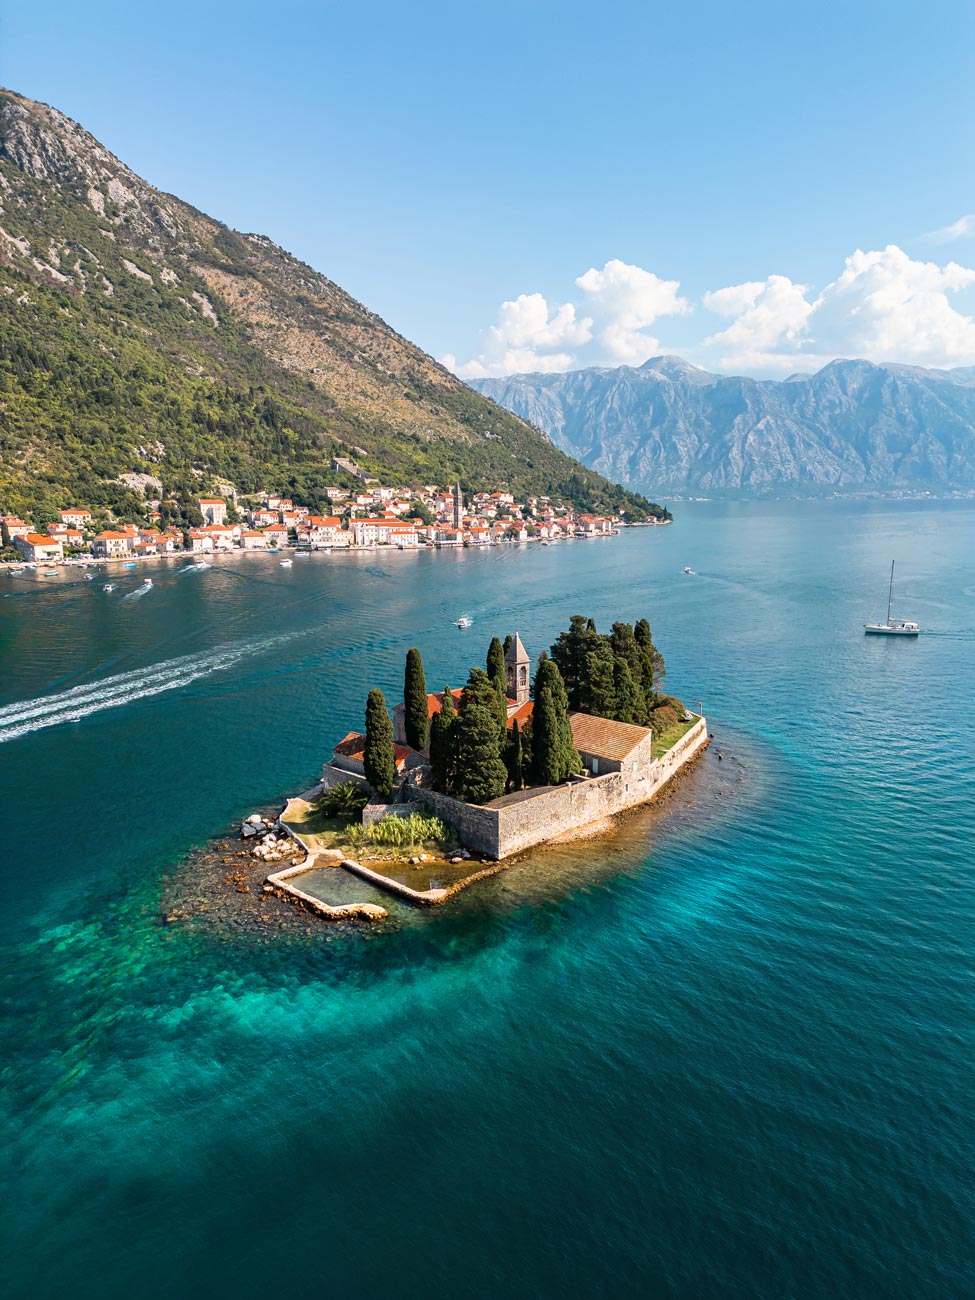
(604, 738)
(353, 746)
(435, 702)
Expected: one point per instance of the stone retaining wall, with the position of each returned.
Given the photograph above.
(279, 882)
(510, 827)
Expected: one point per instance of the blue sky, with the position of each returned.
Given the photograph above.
(706, 174)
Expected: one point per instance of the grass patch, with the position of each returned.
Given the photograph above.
(669, 738)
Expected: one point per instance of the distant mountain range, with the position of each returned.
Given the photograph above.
(852, 426)
(141, 339)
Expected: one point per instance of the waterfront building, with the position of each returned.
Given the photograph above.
(39, 546)
(111, 545)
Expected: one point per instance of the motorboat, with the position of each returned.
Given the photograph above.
(285, 564)
(688, 569)
(892, 626)
(464, 621)
(89, 578)
(109, 586)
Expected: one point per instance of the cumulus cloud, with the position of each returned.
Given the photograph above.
(769, 320)
(620, 302)
(526, 338)
(625, 300)
(963, 228)
(884, 306)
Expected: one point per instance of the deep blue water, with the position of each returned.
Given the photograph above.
(728, 1054)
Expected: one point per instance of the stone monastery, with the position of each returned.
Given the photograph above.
(620, 772)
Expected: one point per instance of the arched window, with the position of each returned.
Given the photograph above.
(523, 675)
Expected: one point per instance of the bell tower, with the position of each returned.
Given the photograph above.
(517, 668)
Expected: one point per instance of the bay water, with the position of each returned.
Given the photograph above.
(726, 1052)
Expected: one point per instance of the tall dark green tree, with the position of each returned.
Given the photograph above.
(569, 652)
(440, 742)
(379, 760)
(496, 669)
(597, 690)
(477, 772)
(415, 720)
(630, 705)
(554, 757)
(514, 758)
(628, 650)
(653, 666)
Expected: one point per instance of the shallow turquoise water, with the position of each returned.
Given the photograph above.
(733, 1061)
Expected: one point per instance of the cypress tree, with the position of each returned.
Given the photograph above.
(415, 719)
(569, 652)
(554, 757)
(481, 690)
(514, 759)
(630, 705)
(379, 759)
(597, 691)
(477, 772)
(497, 671)
(652, 665)
(440, 742)
(545, 763)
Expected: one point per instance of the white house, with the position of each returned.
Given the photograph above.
(111, 545)
(213, 509)
(38, 546)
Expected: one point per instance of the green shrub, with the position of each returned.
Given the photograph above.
(663, 718)
(345, 800)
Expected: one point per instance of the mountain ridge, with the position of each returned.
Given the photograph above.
(852, 426)
(138, 335)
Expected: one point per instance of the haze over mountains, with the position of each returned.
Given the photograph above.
(139, 336)
(852, 426)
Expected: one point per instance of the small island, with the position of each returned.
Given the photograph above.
(443, 789)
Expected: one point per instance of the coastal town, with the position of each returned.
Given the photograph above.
(363, 517)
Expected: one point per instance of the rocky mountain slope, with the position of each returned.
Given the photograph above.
(853, 426)
(140, 336)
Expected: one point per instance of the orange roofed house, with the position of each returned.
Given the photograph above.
(38, 546)
(349, 755)
(110, 545)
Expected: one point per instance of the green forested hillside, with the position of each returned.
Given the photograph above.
(138, 336)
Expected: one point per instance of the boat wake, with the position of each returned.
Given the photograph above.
(112, 692)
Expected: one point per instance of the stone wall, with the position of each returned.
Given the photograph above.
(516, 823)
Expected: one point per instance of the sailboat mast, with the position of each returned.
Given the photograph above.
(891, 590)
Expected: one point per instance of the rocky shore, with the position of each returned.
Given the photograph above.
(219, 887)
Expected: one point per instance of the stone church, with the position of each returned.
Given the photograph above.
(517, 665)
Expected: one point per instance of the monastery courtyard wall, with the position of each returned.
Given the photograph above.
(519, 821)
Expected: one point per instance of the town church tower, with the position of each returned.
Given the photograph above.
(517, 668)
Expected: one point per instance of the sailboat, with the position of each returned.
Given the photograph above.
(892, 626)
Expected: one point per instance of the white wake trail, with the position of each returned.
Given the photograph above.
(112, 692)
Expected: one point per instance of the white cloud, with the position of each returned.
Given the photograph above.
(621, 301)
(887, 307)
(526, 338)
(963, 228)
(625, 300)
(770, 318)
(884, 306)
